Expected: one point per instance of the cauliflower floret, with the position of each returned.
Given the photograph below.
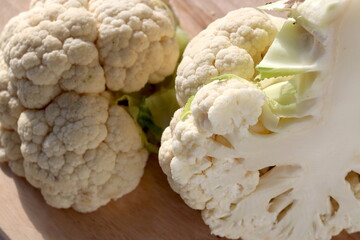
(206, 182)
(10, 110)
(129, 34)
(238, 100)
(10, 106)
(76, 154)
(233, 44)
(10, 151)
(58, 63)
(48, 55)
(143, 31)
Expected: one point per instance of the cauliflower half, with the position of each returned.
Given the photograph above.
(60, 63)
(270, 152)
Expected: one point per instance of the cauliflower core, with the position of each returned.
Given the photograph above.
(59, 62)
(299, 183)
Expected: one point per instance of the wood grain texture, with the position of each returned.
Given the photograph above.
(152, 212)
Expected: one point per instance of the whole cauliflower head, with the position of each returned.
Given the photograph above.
(60, 63)
(270, 152)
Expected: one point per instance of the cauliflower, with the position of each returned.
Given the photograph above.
(63, 64)
(269, 150)
(233, 44)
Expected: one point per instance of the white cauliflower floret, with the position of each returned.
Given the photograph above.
(137, 31)
(73, 153)
(129, 34)
(28, 94)
(58, 63)
(48, 55)
(195, 142)
(237, 100)
(10, 110)
(205, 182)
(10, 105)
(10, 151)
(233, 44)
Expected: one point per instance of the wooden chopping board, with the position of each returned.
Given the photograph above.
(152, 212)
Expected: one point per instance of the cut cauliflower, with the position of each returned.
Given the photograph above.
(60, 63)
(274, 156)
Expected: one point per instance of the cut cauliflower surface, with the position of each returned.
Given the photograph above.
(299, 180)
(60, 63)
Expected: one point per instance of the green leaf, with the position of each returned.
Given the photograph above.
(269, 119)
(187, 109)
(271, 81)
(145, 120)
(294, 51)
(162, 106)
(153, 148)
(152, 114)
(283, 93)
(150, 133)
(293, 98)
(153, 107)
(132, 104)
(182, 38)
(226, 77)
